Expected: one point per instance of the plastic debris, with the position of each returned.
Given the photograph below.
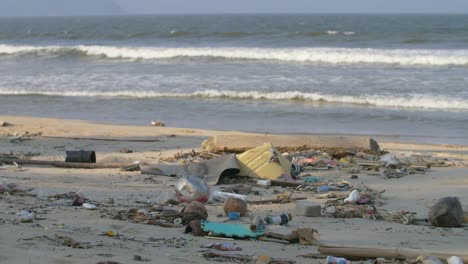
(454, 260)
(233, 216)
(89, 206)
(312, 179)
(225, 246)
(264, 182)
(353, 197)
(335, 260)
(282, 219)
(222, 196)
(230, 229)
(192, 188)
(429, 260)
(25, 216)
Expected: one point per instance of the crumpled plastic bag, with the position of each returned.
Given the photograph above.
(192, 188)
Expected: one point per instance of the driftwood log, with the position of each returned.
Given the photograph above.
(359, 253)
(62, 164)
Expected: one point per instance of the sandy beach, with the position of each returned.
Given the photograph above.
(47, 139)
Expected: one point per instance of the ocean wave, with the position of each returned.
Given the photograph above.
(302, 55)
(412, 101)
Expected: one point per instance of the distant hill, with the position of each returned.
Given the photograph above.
(59, 7)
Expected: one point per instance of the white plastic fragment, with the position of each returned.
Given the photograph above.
(454, 260)
(429, 260)
(25, 216)
(264, 182)
(221, 196)
(353, 197)
(89, 206)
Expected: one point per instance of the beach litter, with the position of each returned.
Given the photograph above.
(192, 188)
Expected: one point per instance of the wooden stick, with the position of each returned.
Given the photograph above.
(275, 200)
(105, 139)
(161, 223)
(285, 183)
(61, 164)
(275, 240)
(388, 252)
(219, 238)
(243, 258)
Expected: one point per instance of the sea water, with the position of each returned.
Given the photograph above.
(403, 77)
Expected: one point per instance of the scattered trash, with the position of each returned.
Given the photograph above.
(195, 228)
(194, 211)
(256, 223)
(222, 196)
(282, 219)
(80, 156)
(78, 201)
(264, 182)
(25, 216)
(335, 260)
(158, 123)
(224, 246)
(429, 260)
(312, 179)
(89, 206)
(125, 150)
(236, 205)
(230, 229)
(328, 188)
(454, 260)
(264, 162)
(353, 197)
(234, 216)
(192, 188)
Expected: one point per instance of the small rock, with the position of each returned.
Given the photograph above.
(447, 212)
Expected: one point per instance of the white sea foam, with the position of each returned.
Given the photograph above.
(312, 55)
(414, 101)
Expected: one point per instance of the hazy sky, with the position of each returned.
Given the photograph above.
(285, 6)
(109, 7)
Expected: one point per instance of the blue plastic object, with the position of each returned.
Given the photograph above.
(233, 215)
(312, 179)
(231, 229)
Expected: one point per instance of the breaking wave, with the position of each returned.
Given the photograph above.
(301, 55)
(412, 101)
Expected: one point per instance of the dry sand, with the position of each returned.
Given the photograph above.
(28, 243)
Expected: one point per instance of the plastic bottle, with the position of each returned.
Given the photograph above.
(221, 196)
(282, 219)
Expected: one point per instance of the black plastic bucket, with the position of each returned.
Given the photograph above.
(81, 156)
